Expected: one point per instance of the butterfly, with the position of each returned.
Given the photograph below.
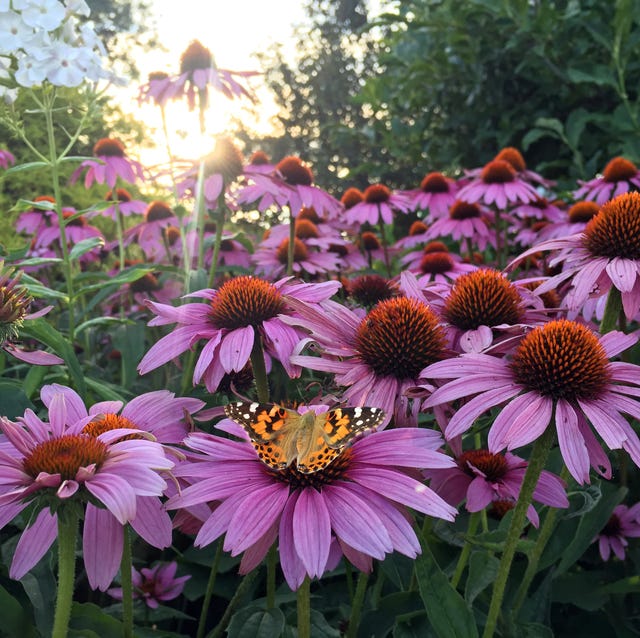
(281, 436)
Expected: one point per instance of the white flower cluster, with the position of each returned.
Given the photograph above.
(43, 40)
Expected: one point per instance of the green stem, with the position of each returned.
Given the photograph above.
(228, 612)
(349, 576)
(292, 243)
(259, 369)
(200, 208)
(536, 554)
(537, 461)
(57, 196)
(611, 311)
(127, 586)
(272, 561)
(474, 519)
(385, 249)
(356, 607)
(67, 534)
(499, 241)
(304, 609)
(119, 232)
(222, 209)
(204, 611)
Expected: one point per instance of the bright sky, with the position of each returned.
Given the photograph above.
(233, 30)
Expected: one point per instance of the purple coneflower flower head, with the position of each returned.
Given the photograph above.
(123, 203)
(39, 217)
(574, 221)
(112, 164)
(151, 233)
(605, 255)
(436, 194)
(154, 585)
(498, 184)
(482, 477)
(619, 176)
(559, 375)
(378, 357)
(377, 206)
(355, 507)
(14, 311)
(76, 229)
(435, 263)
(367, 290)
(240, 311)
(465, 222)
(624, 523)
(66, 463)
(156, 89)
(514, 157)
(6, 158)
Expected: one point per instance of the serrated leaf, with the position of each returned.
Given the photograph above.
(84, 246)
(483, 568)
(254, 622)
(447, 611)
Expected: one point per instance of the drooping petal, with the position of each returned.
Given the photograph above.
(34, 543)
(572, 445)
(152, 522)
(312, 531)
(102, 544)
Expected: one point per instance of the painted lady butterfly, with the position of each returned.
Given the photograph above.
(281, 436)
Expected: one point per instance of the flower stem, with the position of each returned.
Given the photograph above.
(474, 519)
(200, 206)
(272, 561)
(304, 609)
(356, 607)
(67, 534)
(611, 311)
(385, 248)
(292, 243)
(202, 622)
(534, 557)
(537, 461)
(222, 209)
(127, 585)
(259, 369)
(240, 592)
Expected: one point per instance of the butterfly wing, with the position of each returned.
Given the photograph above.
(266, 425)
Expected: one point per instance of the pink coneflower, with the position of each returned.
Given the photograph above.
(417, 235)
(514, 157)
(624, 523)
(307, 259)
(6, 159)
(574, 221)
(560, 374)
(482, 477)
(259, 162)
(356, 506)
(372, 248)
(368, 290)
(123, 203)
(498, 184)
(467, 222)
(484, 309)
(377, 358)
(619, 176)
(150, 234)
(605, 255)
(436, 263)
(35, 219)
(14, 311)
(66, 464)
(377, 206)
(221, 167)
(241, 310)
(154, 585)
(436, 194)
(76, 229)
(112, 164)
(157, 89)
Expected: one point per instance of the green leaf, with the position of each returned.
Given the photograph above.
(320, 628)
(102, 321)
(130, 341)
(45, 333)
(42, 292)
(483, 568)
(13, 399)
(580, 590)
(15, 620)
(88, 619)
(589, 526)
(28, 166)
(125, 277)
(40, 261)
(622, 586)
(255, 622)
(106, 391)
(597, 74)
(84, 246)
(377, 623)
(447, 611)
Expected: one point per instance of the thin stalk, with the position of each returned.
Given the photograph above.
(385, 248)
(500, 260)
(67, 534)
(349, 576)
(222, 210)
(119, 233)
(474, 520)
(304, 608)
(259, 369)
(356, 607)
(233, 603)
(127, 585)
(534, 557)
(272, 561)
(200, 208)
(537, 462)
(292, 243)
(202, 622)
(611, 311)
